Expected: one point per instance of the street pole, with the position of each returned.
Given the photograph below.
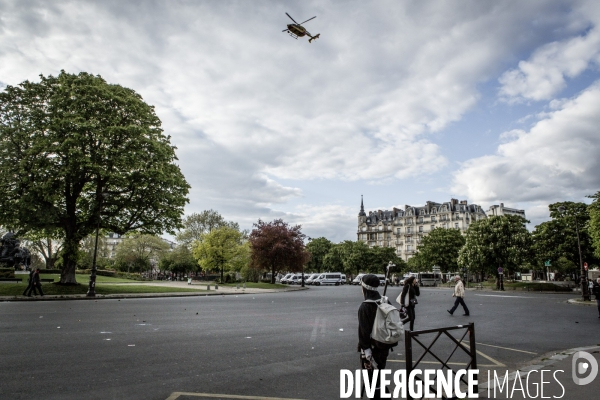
(584, 286)
(92, 285)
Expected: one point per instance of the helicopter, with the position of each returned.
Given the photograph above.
(296, 29)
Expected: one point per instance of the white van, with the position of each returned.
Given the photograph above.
(343, 282)
(309, 280)
(285, 278)
(358, 279)
(295, 279)
(328, 278)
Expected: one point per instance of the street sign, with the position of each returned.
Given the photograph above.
(585, 266)
(500, 270)
(547, 264)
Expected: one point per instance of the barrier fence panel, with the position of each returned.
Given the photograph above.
(418, 338)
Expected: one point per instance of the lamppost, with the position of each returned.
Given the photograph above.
(584, 287)
(92, 285)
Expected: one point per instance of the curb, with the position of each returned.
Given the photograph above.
(140, 295)
(581, 302)
(538, 363)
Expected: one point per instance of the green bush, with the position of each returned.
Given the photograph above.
(7, 272)
(50, 271)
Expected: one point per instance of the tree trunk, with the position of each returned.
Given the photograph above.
(69, 252)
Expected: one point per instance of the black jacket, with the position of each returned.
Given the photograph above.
(366, 318)
(596, 290)
(412, 290)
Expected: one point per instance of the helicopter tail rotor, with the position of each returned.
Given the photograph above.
(314, 37)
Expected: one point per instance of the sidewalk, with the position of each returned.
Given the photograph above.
(201, 287)
(557, 377)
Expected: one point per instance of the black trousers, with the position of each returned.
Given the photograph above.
(410, 312)
(35, 288)
(380, 356)
(461, 301)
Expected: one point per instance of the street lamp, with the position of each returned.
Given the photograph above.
(584, 287)
(92, 285)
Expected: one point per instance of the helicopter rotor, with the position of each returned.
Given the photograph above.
(307, 20)
(291, 18)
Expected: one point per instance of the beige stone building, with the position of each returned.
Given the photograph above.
(403, 229)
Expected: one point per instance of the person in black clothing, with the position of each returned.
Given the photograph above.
(596, 292)
(373, 354)
(408, 298)
(37, 284)
(30, 286)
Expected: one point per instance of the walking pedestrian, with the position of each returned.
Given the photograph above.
(596, 292)
(459, 293)
(37, 284)
(30, 284)
(408, 298)
(373, 354)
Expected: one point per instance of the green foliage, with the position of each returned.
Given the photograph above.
(77, 151)
(439, 247)
(137, 253)
(318, 248)
(179, 261)
(594, 224)
(353, 258)
(499, 241)
(221, 249)
(7, 272)
(250, 274)
(557, 239)
(196, 225)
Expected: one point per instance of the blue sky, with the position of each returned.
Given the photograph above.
(401, 102)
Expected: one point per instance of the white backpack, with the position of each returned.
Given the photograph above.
(388, 327)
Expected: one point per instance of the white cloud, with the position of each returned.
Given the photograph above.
(545, 73)
(248, 106)
(556, 159)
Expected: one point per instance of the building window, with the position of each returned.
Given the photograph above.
(380, 227)
(432, 227)
(408, 247)
(456, 225)
(408, 229)
(380, 236)
(433, 218)
(399, 230)
(421, 229)
(420, 220)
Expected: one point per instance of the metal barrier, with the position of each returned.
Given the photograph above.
(411, 336)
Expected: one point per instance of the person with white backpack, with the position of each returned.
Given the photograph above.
(379, 327)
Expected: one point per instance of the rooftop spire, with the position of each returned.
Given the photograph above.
(362, 208)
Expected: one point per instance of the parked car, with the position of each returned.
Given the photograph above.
(381, 279)
(405, 277)
(343, 282)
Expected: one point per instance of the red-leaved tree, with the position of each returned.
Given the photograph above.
(277, 246)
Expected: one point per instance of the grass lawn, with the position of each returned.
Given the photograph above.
(16, 289)
(81, 278)
(257, 285)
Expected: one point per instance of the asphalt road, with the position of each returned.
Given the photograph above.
(287, 345)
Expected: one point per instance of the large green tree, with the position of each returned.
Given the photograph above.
(221, 248)
(557, 238)
(76, 153)
(198, 224)
(594, 224)
(318, 249)
(138, 253)
(180, 260)
(440, 247)
(498, 241)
